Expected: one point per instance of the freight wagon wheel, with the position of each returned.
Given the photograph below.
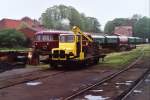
(122, 48)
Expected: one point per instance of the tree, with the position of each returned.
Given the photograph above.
(142, 28)
(74, 17)
(109, 27)
(92, 25)
(136, 17)
(54, 18)
(12, 38)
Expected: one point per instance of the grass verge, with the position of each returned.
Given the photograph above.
(120, 59)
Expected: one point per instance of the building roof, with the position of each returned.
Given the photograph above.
(15, 24)
(9, 23)
(26, 25)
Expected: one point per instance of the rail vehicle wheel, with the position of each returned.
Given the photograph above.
(122, 48)
(89, 62)
(53, 65)
(96, 60)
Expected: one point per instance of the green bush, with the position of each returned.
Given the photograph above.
(11, 38)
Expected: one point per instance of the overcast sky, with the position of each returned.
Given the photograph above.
(103, 10)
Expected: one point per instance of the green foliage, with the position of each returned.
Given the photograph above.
(64, 17)
(109, 27)
(12, 38)
(142, 27)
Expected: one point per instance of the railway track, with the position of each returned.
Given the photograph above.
(9, 81)
(105, 80)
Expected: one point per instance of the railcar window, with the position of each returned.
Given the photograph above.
(47, 38)
(38, 38)
(67, 38)
(51, 37)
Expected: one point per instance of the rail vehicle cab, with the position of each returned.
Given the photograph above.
(70, 47)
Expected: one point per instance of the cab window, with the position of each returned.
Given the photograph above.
(67, 38)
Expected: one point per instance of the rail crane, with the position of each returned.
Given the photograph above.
(75, 48)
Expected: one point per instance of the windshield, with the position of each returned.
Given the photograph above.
(47, 38)
(38, 38)
(66, 38)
